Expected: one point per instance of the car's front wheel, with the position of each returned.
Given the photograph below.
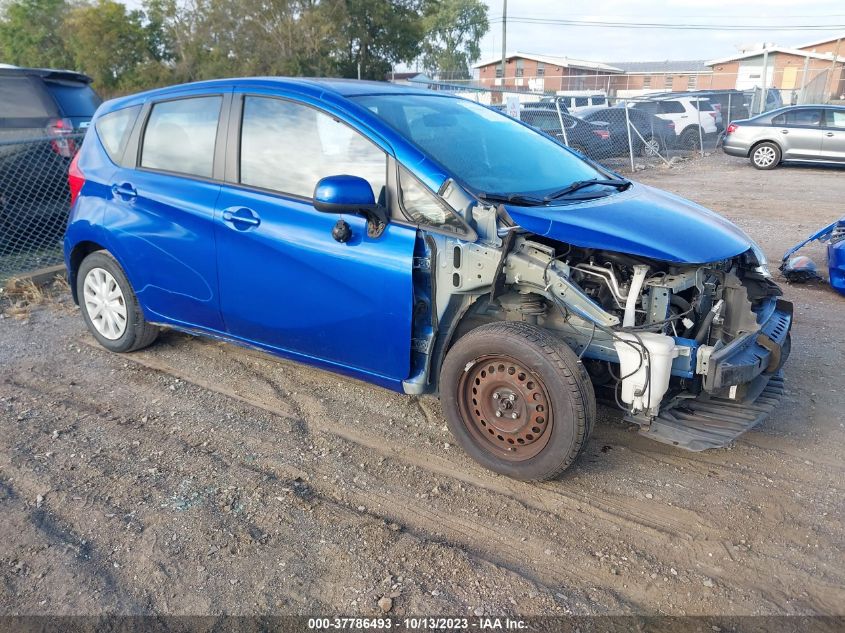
(109, 305)
(765, 156)
(517, 400)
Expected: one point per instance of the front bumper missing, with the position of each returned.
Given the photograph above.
(742, 385)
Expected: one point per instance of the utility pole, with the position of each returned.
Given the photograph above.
(834, 85)
(504, 37)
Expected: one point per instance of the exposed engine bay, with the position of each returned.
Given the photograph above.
(652, 335)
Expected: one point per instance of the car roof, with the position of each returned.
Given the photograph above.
(45, 73)
(307, 86)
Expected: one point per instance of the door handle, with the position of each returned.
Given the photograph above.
(784, 131)
(125, 191)
(241, 216)
(829, 134)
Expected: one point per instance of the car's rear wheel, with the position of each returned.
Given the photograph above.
(690, 139)
(109, 306)
(517, 400)
(765, 156)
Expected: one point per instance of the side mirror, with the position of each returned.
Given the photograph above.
(350, 194)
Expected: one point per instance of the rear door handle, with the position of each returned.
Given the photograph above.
(125, 191)
(829, 134)
(241, 218)
(784, 131)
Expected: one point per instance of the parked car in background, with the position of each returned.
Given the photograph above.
(732, 104)
(693, 118)
(807, 133)
(650, 135)
(591, 139)
(43, 114)
(577, 103)
(428, 244)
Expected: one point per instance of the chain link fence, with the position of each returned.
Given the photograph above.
(34, 202)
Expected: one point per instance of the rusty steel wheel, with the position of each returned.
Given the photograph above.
(517, 400)
(506, 405)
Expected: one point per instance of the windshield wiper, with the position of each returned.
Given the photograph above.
(515, 198)
(619, 183)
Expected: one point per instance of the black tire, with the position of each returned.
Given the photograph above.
(137, 333)
(765, 155)
(526, 356)
(689, 139)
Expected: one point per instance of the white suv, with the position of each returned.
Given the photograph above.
(682, 111)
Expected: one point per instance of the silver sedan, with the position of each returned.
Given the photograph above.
(807, 133)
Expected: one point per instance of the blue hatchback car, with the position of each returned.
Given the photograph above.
(427, 244)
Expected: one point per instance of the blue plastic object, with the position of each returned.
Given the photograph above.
(834, 235)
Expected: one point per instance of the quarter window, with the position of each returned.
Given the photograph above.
(180, 136)
(113, 130)
(423, 207)
(289, 147)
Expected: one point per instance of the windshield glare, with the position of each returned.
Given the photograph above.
(486, 150)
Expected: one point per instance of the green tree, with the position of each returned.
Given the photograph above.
(453, 30)
(107, 42)
(374, 34)
(31, 34)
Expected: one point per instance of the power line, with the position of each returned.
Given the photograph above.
(666, 26)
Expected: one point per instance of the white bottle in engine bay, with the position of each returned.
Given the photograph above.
(645, 365)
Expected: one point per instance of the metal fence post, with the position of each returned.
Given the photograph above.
(730, 118)
(628, 134)
(560, 118)
(700, 127)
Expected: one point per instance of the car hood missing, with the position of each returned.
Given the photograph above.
(640, 221)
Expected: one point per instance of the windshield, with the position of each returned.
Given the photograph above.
(486, 150)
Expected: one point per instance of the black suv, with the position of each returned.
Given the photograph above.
(43, 116)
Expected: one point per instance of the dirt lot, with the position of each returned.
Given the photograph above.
(199, 478)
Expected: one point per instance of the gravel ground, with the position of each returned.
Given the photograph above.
(199, 478)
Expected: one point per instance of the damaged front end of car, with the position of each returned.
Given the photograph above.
(692, 352)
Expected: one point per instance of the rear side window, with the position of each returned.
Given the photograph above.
(799, 117)
(599, 100)
(19, 99)
(671, 107)
(75, 99)
(114, 128)
(289, 147)
(180, 136)
(580, 102)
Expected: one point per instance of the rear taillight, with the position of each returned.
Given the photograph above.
(58, 130)
(602, 134)
(75, 179)
(731, 128)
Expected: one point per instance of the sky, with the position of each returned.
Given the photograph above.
(618, 44)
